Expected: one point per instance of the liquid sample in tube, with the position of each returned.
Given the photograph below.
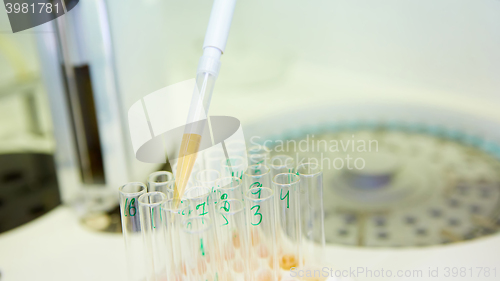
(187, 157)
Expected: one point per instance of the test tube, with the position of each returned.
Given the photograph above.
(209, 178)
(258, 154)
(197, 166)
(289, 232)
(233, 240)
(200, 199)
(256, 176)
(154, 235)
(203, 203)
(229, 188)
(236, 148)
(159, 182)
(261, 229)
(281, 164)
(311, 182)
(174, 216)
(233, 167)
(131, 228)
(198, 249)
(171, 185)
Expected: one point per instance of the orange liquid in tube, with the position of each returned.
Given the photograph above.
(187, 157)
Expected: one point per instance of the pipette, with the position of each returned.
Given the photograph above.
(208, 70)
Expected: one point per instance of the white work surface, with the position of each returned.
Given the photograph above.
(56, 247)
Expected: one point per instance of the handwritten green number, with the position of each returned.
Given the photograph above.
(225, 207)
(287, 196)
(257, 214)
(125, 210)
(202, 248)
(258, 163)
(257, 184)
(237, 174)
(227, 222)
(198, 206)
(130, 207)
(226, 204)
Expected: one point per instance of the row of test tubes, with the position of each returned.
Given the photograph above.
(253, 220)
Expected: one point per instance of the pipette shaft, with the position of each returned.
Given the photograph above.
(208, 70)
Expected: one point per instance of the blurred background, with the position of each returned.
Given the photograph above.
(420, 77)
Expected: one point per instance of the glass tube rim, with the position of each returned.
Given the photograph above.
(258, 200)
(295, 176)
(229, 188)
(207, 227)
(260, 165)
(143, 190)
(169, 184)
(209, 191)
(148, 194)
(242, 208)
(178, 210)
(319, 171)
(160, 173)
(207, 170)
(280, 156)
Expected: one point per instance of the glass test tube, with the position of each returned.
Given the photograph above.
(174, 216)
(131, 228)
(281, 164)
(196, 167)
(256, 176)
(198, 249)
(154, 235)
(261, 229)
(207, 178)
(233, 167)
(233, 240)
(236, 148)
(229, 188)
(289, 232)
(311, 182)
(171, 185)
(159, 181)
(258, 154)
